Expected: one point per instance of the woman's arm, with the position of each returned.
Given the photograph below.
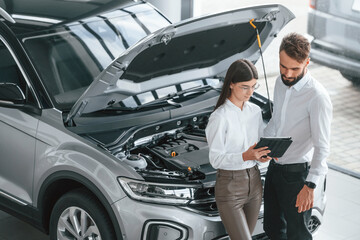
(216, 137)
(219, 158)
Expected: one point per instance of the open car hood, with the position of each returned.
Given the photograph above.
(196, 48)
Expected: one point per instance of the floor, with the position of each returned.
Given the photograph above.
(342, 214)
(14, 229)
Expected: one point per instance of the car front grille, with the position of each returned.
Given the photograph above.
(205, 203)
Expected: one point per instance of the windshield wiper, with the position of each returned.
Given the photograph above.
(167, 99)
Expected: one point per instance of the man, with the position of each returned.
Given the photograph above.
(303, 111)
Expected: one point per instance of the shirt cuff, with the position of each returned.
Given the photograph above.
(313, 178)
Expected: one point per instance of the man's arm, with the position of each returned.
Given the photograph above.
(320, 123)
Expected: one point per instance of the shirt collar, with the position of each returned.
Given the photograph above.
(231, 104)
(299, 85)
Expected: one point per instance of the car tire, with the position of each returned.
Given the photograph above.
(353, 79)
(80, 213)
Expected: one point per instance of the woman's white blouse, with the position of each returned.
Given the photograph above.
(230, 132)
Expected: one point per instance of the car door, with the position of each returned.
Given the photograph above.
(18, 126)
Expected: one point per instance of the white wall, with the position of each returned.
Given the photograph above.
(170, 8)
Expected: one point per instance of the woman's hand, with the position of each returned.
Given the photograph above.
(256, 154)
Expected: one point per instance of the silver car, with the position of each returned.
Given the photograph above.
(334, 27)
(103, 108)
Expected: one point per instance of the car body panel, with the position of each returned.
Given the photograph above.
(17, 161)
(64, 151)
(190, 220)
(334, 27)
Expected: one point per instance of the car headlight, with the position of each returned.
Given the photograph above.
(174, 194)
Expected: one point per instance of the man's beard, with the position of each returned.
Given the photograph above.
(296, 79)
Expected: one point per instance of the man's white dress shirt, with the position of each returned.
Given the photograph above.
(230, 132)
(303, 112)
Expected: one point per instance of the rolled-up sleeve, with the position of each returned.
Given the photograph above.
(320, 123)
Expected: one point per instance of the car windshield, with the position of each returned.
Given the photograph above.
(162, 95)
(69, 58)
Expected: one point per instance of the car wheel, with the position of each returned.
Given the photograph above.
(79, 215)
(313, 224)
(353, 79)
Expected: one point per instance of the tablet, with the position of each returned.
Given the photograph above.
(277, 145)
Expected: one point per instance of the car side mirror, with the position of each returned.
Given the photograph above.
(11, 93)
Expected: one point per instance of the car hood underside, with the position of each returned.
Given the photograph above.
(188, 50)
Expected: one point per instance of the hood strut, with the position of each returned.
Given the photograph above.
(272, 17)
(69, 119)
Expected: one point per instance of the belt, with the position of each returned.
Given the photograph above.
(295, 167)
(237, 172)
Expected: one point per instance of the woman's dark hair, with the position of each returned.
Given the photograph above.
(239, 71)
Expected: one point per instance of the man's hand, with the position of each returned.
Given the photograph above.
(257, 154)
(305, 199)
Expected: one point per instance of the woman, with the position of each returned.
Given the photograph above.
(233, 128)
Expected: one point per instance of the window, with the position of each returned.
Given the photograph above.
(70, 58)
(11, 73)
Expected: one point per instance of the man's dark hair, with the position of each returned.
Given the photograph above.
(296, 46)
